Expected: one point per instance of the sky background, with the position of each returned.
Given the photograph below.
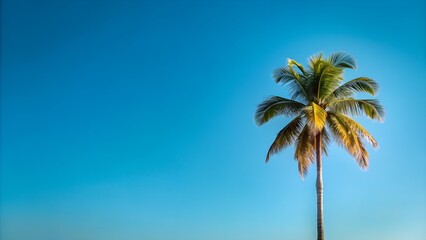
(135, 120)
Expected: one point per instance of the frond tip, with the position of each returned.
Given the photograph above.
(342, 60)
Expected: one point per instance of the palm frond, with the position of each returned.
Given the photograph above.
(286, 136)
(315, 62)
(329, 80)
(342, 133)
(325, 141)
(368, 107)
(305, 150)
(291, 63)
(348, 138)
(362, 156)
(361, 84)
(342, 60)
(295, 82)
(316, 117)
(284, 75)
(360, 131)
(339, 132)
(274, 106)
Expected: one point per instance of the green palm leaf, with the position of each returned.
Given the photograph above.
(329, 80)
(286, 136)
(274, 106)
(295, 82)
(368, 107)
(361, 84)
(342, 60)
(314, 64)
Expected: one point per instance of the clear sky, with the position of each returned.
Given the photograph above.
(135, 120)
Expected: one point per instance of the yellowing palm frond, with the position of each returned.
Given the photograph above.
(361, 131)
(305, 150)
(348, 138)
(291, 63)
(316, 117)
(362, 156)
(343, 134)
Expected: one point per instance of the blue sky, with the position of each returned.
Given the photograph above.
(134, 120)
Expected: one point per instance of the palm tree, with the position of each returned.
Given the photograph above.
(320, 105)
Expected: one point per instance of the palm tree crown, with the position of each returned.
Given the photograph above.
(321, 104)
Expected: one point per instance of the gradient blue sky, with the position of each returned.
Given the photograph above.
(134, 120)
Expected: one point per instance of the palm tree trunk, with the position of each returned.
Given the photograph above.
(320, 224)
